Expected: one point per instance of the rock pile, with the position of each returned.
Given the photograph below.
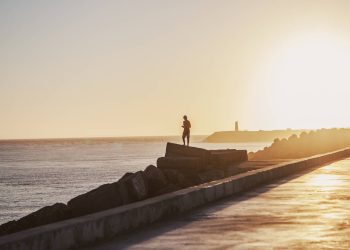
(305, 145)
(181, 167)
(189, 166)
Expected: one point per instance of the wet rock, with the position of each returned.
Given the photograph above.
(104, 197)
(155, 179)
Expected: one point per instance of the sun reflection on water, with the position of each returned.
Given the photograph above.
(331, 215)
(325, 181)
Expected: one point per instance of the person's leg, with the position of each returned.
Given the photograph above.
(188, 139)
(183, 137)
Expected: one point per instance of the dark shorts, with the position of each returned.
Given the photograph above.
(186, 133)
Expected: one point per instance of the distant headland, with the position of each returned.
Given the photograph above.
(251, 136)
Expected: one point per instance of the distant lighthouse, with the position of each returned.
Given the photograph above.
(236, 126)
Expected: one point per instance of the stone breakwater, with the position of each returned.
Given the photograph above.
(180, 168)
(89, 229)
(306, 144)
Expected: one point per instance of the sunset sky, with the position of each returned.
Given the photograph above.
(128, 68)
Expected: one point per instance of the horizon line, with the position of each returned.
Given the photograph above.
(150, 136)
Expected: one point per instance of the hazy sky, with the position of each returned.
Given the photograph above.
(120, 68)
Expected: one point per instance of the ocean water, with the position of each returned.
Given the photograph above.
(38, 173)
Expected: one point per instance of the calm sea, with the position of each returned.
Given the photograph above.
(38, 173)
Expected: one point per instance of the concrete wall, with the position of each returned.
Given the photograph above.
(88, 229)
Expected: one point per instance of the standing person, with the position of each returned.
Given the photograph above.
(186, 133)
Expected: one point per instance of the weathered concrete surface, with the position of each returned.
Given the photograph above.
(88, 229)
(306, 211)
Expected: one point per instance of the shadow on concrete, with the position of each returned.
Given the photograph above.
(127, 240)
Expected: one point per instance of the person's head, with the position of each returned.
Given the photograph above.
(185, 117)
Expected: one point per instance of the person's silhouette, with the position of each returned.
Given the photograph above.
(186, 133)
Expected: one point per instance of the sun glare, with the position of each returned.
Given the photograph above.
(307, 75)
(325, 181)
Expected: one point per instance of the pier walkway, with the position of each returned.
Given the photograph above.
(310, 210)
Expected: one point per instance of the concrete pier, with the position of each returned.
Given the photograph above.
(309, 210)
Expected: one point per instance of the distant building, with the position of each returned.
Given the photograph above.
(236, 126)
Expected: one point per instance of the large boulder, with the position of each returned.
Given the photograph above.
(136, 186)
(104, 197)
(8, 227)
(124, 192)
(176, 150)
(125, 195)
(43, 216)
(183, 164)
(223, 158)
(130, 188)
(155, 179)
(125, 176)
(177, 178)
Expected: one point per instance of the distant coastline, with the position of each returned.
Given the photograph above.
(251, 136)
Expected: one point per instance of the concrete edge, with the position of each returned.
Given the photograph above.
(110, 223)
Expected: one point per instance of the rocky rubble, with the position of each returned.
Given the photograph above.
(305, 145)
(180, 168)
